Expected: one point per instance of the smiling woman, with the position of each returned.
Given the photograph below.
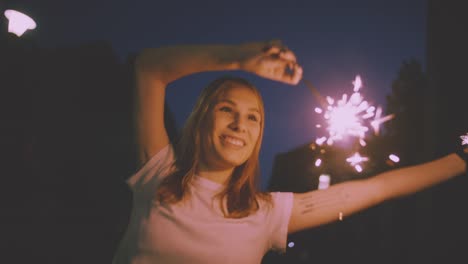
(233, 129)
(224, 135)
(198, 201)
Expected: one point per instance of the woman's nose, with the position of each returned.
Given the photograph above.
(238, 124)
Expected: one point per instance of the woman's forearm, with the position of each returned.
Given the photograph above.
(404, 181)
(168, 64)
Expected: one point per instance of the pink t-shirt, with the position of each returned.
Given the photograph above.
(196, 231)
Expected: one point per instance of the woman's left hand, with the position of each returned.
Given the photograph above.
(271, 60)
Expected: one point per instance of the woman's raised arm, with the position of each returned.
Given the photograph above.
(319, 207)
(157, 67)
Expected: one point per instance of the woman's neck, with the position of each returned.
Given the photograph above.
(217, 175)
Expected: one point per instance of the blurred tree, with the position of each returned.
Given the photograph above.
(404, 135)
(407, 103)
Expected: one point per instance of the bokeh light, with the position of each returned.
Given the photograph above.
(19, 23)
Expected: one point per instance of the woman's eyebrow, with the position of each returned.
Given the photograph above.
(254, 109)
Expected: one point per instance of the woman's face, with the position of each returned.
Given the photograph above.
(234, 126)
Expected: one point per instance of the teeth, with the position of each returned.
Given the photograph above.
(234, 141)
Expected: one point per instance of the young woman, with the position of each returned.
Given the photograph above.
(197, 202)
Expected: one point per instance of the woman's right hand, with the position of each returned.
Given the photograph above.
(270, 60)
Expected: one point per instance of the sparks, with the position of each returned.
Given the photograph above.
(464, 139)
(356, 159)
(394, 158)
(318, 162)
(358, 168)
(350, 116)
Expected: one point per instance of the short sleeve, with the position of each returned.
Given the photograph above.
(280, 215)
(150, 174)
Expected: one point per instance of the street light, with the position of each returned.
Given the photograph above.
(18, 22)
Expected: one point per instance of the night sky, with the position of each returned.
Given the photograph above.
(333, 40)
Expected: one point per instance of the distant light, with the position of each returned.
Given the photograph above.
(18, 22)
(291, 244)
(318, 162)
(394, 158)
(324, 181)
(318, 110)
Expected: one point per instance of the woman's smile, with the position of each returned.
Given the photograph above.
(232, 141)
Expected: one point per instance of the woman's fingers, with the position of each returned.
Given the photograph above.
(284, 71)
(292, 73)
(274, 61)
(287, 55)
(297, 75)
(277, 49)
(272, 46)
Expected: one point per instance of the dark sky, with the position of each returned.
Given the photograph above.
(334, 41)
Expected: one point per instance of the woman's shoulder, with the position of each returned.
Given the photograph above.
(155, 169)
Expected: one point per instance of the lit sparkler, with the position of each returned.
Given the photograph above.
(349, 116)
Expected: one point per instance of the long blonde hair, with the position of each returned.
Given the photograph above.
(241, 192)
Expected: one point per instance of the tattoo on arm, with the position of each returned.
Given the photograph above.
(320, 199)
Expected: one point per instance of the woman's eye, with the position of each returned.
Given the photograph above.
(225, 109)
(253, 118)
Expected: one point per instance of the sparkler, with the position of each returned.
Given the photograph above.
(349, 116)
